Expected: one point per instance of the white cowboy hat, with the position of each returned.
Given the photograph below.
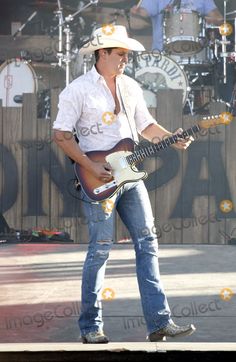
(111, 36)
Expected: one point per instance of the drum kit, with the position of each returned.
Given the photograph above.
(203, 55)
(192, 51)
(202, 52)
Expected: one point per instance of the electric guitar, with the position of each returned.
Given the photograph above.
(123, 159)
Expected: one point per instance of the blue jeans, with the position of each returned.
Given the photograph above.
(133, 205)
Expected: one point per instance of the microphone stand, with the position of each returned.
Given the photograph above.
(70, 17)
(23, 25)
(223, 43)
(66, 58)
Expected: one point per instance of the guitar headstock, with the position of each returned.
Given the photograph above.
(213, 121)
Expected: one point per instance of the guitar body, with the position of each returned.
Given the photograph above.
(122, 172)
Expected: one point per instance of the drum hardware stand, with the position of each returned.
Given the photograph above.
(190, 103)
(225, 29)
(86, 62)
(87, 58)
(59, 14)
(47, 106)
(202, 37)
(231, 13)
(66, 58)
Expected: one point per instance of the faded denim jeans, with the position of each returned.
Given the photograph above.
(133, 205)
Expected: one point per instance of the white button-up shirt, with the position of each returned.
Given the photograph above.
(87, 106)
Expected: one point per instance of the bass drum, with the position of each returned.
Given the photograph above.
(18, 77)
(155, 71)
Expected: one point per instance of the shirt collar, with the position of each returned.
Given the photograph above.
(95, 75)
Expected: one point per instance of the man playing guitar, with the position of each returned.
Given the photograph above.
(106, 108)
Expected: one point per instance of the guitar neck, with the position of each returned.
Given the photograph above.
(154, 148)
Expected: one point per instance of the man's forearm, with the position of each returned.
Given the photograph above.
(66, 141)
(155, 133)
(214, 17)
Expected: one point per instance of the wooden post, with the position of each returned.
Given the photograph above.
(169, 115)
(170, 108)
(29, 136)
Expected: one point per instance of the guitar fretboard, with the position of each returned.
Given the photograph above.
(152, 149)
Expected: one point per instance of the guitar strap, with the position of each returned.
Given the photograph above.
(126, 105)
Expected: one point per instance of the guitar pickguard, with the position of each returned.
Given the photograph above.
(122, 171)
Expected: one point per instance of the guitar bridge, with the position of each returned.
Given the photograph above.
(104, 187)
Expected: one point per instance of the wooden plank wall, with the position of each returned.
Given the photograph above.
(185, 188)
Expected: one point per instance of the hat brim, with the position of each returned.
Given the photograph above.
(106, 42)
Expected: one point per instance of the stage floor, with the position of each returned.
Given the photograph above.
(40, 295)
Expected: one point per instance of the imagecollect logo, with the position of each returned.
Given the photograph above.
(41, 318)
(194, 309)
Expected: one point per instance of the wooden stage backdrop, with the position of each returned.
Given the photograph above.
(192, 192)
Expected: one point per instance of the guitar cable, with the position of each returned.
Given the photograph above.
(77, 186)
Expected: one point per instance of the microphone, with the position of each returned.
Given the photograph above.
(23, 25)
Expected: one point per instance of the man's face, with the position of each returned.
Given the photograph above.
(116, 61)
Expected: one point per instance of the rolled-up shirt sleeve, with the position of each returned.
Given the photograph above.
(68, 114)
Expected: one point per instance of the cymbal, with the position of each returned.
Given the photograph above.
(46, 5)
